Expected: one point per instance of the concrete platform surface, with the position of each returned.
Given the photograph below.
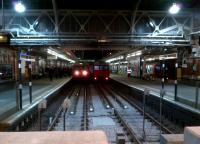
(40, 89)
(192, 135)
(185, 93)
(172, 139)
(72, 137)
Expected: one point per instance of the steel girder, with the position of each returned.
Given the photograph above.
(68, 27)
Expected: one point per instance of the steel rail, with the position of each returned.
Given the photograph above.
(126, 126)
(115, 98)
(103, 99)
(166, 130)
(58, 113)
(75, 101)
(85, 110)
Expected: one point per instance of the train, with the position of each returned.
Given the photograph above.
(80, 71)
(97, 71)
(101, 71)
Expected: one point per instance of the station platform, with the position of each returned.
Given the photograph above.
(73, 137)
(41, 89)
(186, 94)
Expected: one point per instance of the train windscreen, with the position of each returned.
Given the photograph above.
(101, 67)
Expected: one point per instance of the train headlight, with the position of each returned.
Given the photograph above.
(85, 73)
(106, 78)
(76, 73)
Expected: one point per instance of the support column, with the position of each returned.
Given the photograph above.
(55, 15)
(2, 19)
(175, 82)
(20, 79)
(141, 67)
(163, 75)
(30, 78)
(162, 93)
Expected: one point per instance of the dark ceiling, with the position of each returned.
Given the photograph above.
(103, 4)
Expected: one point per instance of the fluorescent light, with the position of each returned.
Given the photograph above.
(19, 7)
(28, 59)
(162, 57)
(151, 24)
(174, 9)
(150, 59)
(114, 59)
(137, 53)
(49, 51)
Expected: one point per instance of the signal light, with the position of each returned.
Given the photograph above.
(95, 78)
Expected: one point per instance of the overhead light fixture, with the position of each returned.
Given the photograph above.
(19, 7)
(137, 53)
(151, 24)
(115, 59)
(174, 9)
(49, 51)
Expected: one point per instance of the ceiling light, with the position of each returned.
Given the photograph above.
(174, 9)
(52, 52)
(151, 24)
(19, 7)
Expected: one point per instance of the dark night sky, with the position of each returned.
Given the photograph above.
(103, 4)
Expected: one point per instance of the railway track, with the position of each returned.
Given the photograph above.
(85, 110)
(101, 107)
(145, 128)
(105, 119)
(167, 126)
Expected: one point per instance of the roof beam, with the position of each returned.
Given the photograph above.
(55, 15)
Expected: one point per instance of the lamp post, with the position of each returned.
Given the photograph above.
(174, 9)
(20, 8)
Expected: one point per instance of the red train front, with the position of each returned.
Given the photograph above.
(101, 72)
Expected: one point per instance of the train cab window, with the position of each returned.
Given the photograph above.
(106, 68)
(96, 68)
(101, 67)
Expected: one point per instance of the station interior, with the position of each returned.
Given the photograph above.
(104, 71)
